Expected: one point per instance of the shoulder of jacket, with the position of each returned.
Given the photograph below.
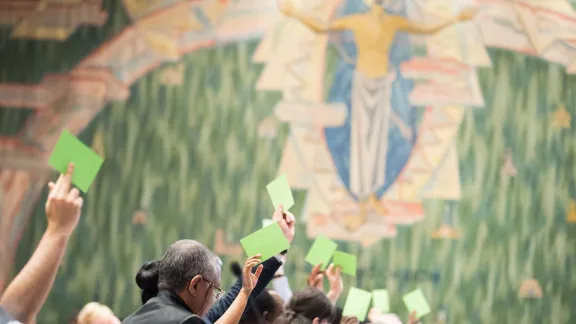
(193, 319)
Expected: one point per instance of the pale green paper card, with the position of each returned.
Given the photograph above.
(381, 300)
(321, 251)
(280, 193)
(416, 301)
(266, 222)
(346, 261)
(357, 303)
(86, 162)
(267, 241)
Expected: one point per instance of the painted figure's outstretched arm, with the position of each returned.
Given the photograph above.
(344, 23)
(427, 29)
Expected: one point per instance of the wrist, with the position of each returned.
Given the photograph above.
(245, 291)
(56, 232)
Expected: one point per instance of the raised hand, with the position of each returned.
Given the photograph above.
(249, 279)
(374, 313)
(316, 277)
(336, 284)
(286, 221)
(412, 319)
(63, 205)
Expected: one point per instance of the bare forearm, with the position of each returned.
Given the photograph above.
(26, 294)
(333, 296)
(235, 311)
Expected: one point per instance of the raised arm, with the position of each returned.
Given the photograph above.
(344, 23)
(25, 296)
(286, 221)
(249, 281)
(412, 27)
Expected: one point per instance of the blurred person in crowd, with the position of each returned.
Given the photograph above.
(26, 294)
(95, 313)
(309, 306)
(263, 309)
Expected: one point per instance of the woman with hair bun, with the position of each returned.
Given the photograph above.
(182, 286)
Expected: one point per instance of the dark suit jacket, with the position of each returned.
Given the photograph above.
(169, 308)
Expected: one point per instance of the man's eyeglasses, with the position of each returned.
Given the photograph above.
(218, 293)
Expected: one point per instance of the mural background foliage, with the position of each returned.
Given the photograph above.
(197, 105)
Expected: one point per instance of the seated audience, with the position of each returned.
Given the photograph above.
(188, 283)
(95, 313)
(308, 306)
(26, 294)
(155, 271)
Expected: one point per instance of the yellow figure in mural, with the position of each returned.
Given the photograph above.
(371, 112)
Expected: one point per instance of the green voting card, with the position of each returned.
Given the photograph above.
(280, 193)
(357, 303)
(86, 162)
(321, 252)
(267, 241)
(266, 222)
(346, 261)
(381, 300)
(416, 301)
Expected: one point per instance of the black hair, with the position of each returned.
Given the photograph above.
(147, 279)
(337, 315)
(305, 306)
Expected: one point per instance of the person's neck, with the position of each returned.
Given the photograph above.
(186, 299)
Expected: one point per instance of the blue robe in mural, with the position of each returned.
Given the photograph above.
(399, 147)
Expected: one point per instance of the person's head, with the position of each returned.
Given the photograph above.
(308, 306)
(188, 269)
(94, 313)
(264, 309)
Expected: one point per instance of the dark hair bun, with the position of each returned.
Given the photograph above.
(147, 279)
(236, 269)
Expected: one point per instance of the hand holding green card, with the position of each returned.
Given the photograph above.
(86, 162)
(357, 303)
(381, 300)
(321, 252)
(280, 193)
(267, 242)
(346, 261)
(416, 301)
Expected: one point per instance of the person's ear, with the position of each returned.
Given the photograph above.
(194, 285)
(316, 320)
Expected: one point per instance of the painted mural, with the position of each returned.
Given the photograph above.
(434, 137)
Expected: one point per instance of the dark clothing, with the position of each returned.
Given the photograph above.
(169, 308)
(165, 308)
